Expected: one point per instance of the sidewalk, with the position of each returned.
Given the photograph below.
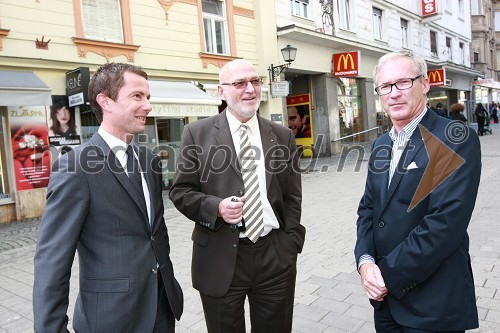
(328, 296)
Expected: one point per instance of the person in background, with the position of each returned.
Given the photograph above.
(104, 200)
(456, 112)
(63, 121)
(412, 247)
(494, 113)
(298, 121)
(238, 180)
(439, 110)
(481, 115)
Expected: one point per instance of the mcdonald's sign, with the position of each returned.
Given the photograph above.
(346, 64)
(429, 7)
(436, 77)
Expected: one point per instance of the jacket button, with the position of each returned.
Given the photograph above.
(241, 193)
(153, 238)
(235, 245)
(154, 271)
(381, 224)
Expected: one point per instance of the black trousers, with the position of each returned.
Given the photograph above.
(385, 323)
(165, 320)
(270, 287)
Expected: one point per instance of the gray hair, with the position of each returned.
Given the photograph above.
(420, 64)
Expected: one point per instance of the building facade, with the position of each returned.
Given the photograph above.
(50, 48)
(343, 105)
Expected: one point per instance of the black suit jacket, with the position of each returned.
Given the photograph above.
(423, 252)
(208, 172)
(93, 207)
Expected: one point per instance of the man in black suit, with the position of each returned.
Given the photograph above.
(412, 248)
(235, 255)
(107, 205)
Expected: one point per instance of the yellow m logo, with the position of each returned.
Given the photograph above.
(345, 58)
(433, 75)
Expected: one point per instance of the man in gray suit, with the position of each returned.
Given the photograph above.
(113, 218)
(247, 234)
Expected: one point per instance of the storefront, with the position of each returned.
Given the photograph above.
(24, 149)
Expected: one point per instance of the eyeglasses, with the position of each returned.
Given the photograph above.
(244, 84)
(402, 84)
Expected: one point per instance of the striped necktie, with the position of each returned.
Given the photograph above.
(252, 208)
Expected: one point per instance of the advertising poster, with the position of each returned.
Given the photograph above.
(299, 120)
(64, 127)
(30, 146)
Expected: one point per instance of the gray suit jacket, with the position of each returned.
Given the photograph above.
(92, 207)
(208, 171)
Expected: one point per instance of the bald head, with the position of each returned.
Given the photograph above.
(230, 69)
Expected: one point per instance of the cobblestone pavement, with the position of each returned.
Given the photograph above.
(328, 296)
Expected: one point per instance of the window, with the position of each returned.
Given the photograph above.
(449, 49)
(461, 54)
(102, 20)
(449, 6)
(404, 33)
(476, 56)
(344, 15)
(215, 26)
(434, 51)
(461, 9)
(299, 7)
(475, 7)
(4, 180)
(377, 23)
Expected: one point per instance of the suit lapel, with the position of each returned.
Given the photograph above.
(224, 138)
(415, 144)
(269, 141)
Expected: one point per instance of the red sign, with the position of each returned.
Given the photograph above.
(429, 7)
(436, 77)
(346, 64)
(298, 99)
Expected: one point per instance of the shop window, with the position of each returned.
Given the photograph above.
(215, 27)
(350, 108)
(104, 27)
(4, 179)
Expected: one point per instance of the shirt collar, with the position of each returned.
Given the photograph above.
(234, 124)
(113, 142)
(408, 130)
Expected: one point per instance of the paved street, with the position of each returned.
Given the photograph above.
(329, 297)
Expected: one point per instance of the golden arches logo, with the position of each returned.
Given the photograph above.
(345, 57)
(433, 75)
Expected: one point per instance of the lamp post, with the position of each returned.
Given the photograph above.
(288, 53)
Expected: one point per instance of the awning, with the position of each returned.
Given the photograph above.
(181, 99)
(487, 83)
(23, 88)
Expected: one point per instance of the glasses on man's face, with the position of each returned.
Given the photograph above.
(244, 84)
(402, 84)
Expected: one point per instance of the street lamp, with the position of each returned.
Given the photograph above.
(288, 53)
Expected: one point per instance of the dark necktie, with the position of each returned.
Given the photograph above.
(252, 208)
(133, 171)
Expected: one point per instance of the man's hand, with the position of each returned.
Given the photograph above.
(231, 209)
(373, 282)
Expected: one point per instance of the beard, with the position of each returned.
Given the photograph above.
(243, 110)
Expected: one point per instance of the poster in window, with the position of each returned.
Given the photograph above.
(63, 124)
(30, 146)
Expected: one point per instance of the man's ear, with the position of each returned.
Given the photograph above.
(102, 100)
(220, 90)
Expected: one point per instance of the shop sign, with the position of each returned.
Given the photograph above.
(436, 77)
(429, 7)
(346, 64)
(280, 88)
(77, 86)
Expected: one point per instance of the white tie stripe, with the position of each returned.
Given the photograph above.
(252, 208)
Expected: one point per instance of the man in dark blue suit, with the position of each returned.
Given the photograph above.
(412, 248)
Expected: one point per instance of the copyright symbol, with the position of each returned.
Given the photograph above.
(457, 132)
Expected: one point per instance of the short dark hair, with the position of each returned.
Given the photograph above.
(108, 79)
(439, 105)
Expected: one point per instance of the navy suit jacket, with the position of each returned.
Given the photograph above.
(423, 250)
(93, 207)
(208, 171)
